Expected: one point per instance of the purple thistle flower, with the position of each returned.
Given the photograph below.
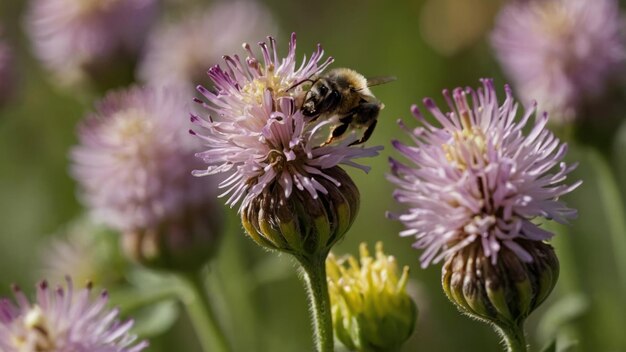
(561, 52)
(63, 320)
(134, 158)
(257, 133)
(70, 36)
(478, 179)
(179, 54)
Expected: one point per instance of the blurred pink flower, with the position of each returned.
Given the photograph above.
(258, 135)
(135, 158)
(560, 52)
(478, 179)
(63, 320)
(70, 36)
(180, 53)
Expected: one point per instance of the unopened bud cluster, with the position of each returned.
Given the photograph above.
(370, 306)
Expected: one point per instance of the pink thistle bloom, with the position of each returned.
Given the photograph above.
(257, 132)
(478, 178)
(134, 158)
(179, 54)
(64, 320)
(70, 36)
(561, 52)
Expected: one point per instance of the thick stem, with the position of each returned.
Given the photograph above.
(202, 316)
(514, 337)
(317, 288)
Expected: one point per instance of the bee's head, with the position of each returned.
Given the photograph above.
(322, 97)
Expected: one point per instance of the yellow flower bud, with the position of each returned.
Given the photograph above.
(370, 306)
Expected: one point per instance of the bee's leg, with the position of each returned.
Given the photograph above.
(337, 131)
(367, 134)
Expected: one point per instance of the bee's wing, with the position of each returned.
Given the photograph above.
(378, 80)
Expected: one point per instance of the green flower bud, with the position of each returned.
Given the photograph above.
(504, 293)
(370, 306)
(182, 243)
(300, 224)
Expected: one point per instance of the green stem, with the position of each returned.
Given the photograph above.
(514, 337)
(202, 316)
(317, 289)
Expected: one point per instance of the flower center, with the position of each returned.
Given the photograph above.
(277, 84)
(130, 130)
(36, 335)
(467, 148)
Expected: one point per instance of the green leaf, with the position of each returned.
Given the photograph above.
(619, 158)
(551, 347)
(155, 319)
(561, 313)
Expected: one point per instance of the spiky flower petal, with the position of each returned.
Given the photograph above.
(258, 135)
(478, 178)
(64, 320)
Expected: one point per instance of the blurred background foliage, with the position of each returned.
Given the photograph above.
(429, 45)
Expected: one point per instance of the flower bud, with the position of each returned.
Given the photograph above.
(504, 293)
(301, 224)
(85, 251)
(184, 242)
(370, 306)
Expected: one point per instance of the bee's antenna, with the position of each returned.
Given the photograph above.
(299, 83)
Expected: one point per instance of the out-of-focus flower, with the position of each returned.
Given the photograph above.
(450, 26)
(85, 251)
(560, 52)
(478, 179)
(179, 54)
(371, 308)
(77, 37)
(64, 320)
(134, 166)
(274, 155)
(7, 72)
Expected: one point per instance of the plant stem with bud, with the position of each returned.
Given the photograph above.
(314, 270)
(514, 337)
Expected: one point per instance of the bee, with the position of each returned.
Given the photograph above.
(343, 94)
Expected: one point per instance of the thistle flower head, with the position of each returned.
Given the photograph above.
(478, 178)
(258, 135)
(179, 54)
(64, 320)
(73, 36)
(133, 160)
(371, 308)
(560, 52)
